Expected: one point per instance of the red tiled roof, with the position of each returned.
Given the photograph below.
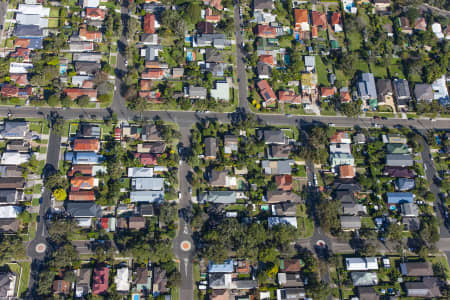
(336, 19)
(266, 31)
(146, 84)
(152, 74)
(82, 196)
(147, 158)
(22, 43)
(86, 145)
(266, 91)
(100, 280)
(214, 3)
(420, 24)
(22, 53)
(82, 183)
(61, 287)
(289, 97)
(87, 84)
(74, 93)
(95, 13)
(319, 19)
(104, 223)
(9, 90)
(20, 79)
(314, 32)
(300, 16)
(149, 23)
(267, 59)
(346, 171)
(212, 19)
(90, 35)
(284, 182)
(83, 169)
(117, 133)
(345, 97)
(327, 91)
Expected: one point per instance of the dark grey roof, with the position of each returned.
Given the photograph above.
(401, 89)
(263, 69)
(146, 210)
(399, 160)
(384, 87)
(213, 55)
(87, 67)
(287, 209)
(219, 197)
(210, 146)
(416, 269)
(263, 4)
(83, 209)
(9, 225)
(8, 196)
(11, 171)
(428, 288)
(350, 222)
(28, 31)
(367, 293)
(274, 136)
(423, 92)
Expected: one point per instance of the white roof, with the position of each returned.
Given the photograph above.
(32, 9)
(91, 3)
(340, 148)
(14, 158)
(9, 212)
(440, 88)
(361, 263)
(84, 222)
(221, 92)
(31, 20)
(140, 172)
(436, 28)
(122, 280)
(79, 79)
(19, 68)
(310, 61)
(98, 169)
(149, 184)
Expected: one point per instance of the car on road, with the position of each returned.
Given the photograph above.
(376, 117)
(288, 115)
(179, 195)
(331, 125)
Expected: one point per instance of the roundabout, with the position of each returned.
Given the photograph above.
(40, 248)
(186, 246)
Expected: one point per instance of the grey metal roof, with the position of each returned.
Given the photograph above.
(219, 197)
(404, 184)
(87, 67)
(147, 196)
(366, 86)
(274, 136)
(350, 222)
(197, 91)
(210, 146)
(410, 209)
(364, 278)
(399, 160)
(83, 209)
(423, 92)
(147, 183)
(28, 31)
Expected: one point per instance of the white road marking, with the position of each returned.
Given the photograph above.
(186, 261)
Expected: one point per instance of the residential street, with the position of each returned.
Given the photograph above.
(38, 247)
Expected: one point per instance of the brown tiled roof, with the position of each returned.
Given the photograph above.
(267, 59)
(319, 19)
(284, 182)
(266, 91)
(86, 145)
(82, 196)
(346, 171)
(336, 18)
(74, 93)
(95, 13)
(300, 16)
(149, 23)
(83, 169)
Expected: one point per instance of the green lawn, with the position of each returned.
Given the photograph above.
(22, 285)
(113, 60)
(37, 188)
(42, 149)
(396, 70)
(54, 12)
(301, 171)
(362, 66)
(35, 202)
(322, 72)
(354, 40)
(53, 23)
(367, 222)
(379, 71)
(175, 293)
(305, 225)
(443, 261)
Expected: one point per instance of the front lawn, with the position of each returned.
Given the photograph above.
(379, 71)
(53, 23)
(355, 40)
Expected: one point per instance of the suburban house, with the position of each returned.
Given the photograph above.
(195, 92)
(399, 160)
(280, 196)
(336, 22)
(416, 269)
(92, 145)
(83, 209)
(301, 25)
(397, 198)
(385, 92)
(8, 282)
(382, 5)
(218, 197)
(367, 89)
(350, 223)
(230, 143)
(15, 130)
(210, 148)
(262, 5)
(100, 282)
(82, 282)
(337, 159)
(361, 263)
(405, 26)
(221, 91)
(423, 92)
(401, 92)
(266, 92)
(427, 288)
(147, 196)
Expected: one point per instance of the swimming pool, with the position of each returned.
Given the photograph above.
(136, 297)
(189, 56)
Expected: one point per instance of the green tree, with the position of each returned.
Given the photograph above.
(53, 100)
(83, 101)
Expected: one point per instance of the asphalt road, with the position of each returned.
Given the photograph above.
(51, 166)
(240, 62)
(184, 235)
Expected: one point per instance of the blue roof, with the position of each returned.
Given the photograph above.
(399, 198)
(35, 42)
(83, 157)
(226, 267)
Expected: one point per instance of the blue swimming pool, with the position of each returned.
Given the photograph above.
(189, 56)
(136, 297)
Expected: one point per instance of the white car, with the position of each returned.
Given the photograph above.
(331, 125)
